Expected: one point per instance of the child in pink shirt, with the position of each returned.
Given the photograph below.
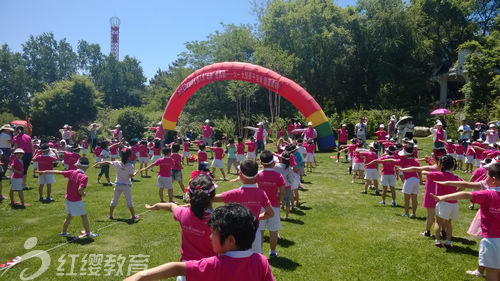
(143, 156)
(113, 149)
(309, 159)
(218, 155)
(250, 196)
(16, 167)
(71, 157)
(177, 167)
(202, 155)
(240, 151)
(77, 182)
(388, 178)
(251, 147)
(164, 174)
(489, 200)
(193, 219)
(45, 163)
(85, 147)
(459, 153)
(371, 170)
(233, 227)
(273, 183)
(185, 151)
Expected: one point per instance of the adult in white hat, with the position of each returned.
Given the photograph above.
(93, 128)
(409, 129)
(492, 133)
(439, 135)
(381, 138)
(5, 144)
(117, 132)
(391, 127)
(208, 132)
(260, 134)
(159, 131)
(360, 130)
(309, 132)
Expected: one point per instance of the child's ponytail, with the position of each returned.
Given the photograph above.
(201, 192)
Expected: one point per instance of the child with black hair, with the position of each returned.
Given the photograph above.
(388, 178)
(446, 211)
(459, 153)
(202, 155)
(250, 196)
(231, 156)
(240, 151)
(77, 182)
(193, 219)
(273, 183)
(251, 149)
(124, 172)
(371, 167)
(134, 149)
(286, 171)
(164, 174)
(185, 150)
(177, 167)
(45, 163)
(142, 149)
(218, 155)
(489, 200)
(157, 150)
(233, 230)
(104, 156)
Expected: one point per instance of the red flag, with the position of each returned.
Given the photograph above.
(28, 124)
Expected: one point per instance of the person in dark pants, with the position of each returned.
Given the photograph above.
(93, 128)
(23, 141)
(5, 145)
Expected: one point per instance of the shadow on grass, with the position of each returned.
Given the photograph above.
(78, 240)
(462, 250)
(134, 180)
(179, 197)
(463, 241)
(128, 221)
(284, 263)
(147, 177)
(47, 201)
(302, 207)
(283, 242)
(17, 207)
(294, 221)
(298, 212)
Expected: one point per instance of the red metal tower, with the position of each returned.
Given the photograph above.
(115, 37)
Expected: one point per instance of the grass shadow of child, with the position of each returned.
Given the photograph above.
(284, 263)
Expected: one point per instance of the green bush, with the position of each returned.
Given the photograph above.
(7, 117)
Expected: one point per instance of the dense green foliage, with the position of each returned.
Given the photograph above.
(379, 54)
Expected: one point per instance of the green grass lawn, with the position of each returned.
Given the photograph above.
(338, 233)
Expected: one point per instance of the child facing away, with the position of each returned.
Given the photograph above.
(286, 171)
(250, 196)
(459, 153)
(185, 150)
(202, 154)
(164, 174)
(217, 162)
(77, 182)
(272, 183)
(104, 156)
(143, 156)
(233, 230)
(177, 167)
(371, 171)
(309, 159)
(45, 163)
(124, 172)
(70, 157)
(16, 167)
(388, 178)
(251, 148)
(193, 219)
(231, 156)
(240, 151)
(489, 200)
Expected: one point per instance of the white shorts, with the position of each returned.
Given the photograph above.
(309, 157)
(16, 184)
(257, 242)
(489, 253)
(388, 180)
(447, 211)
(144, 160)
(240, 158)
(114, 156)
(358, 166)
(251, 155)
(477, 162)
(469, 159)
(453, 155)
(185, 154)
(85, 151)
(164, 182)
(46, 179)
(35, 165)
(411, 186)
(150, 152)
(296, 181)
(75, 208)
(460, 157)
(273, 223)
(217, 163)
(371, 174)
(154, 158)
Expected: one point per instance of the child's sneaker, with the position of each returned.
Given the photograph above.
(40, 199)
(382, 202)
(65, 234)
(447, 244)
(475, 273)
(393, 204)
(377, 192)
(426, 233)
(412, 216)
(363, 192)
(49, 199)
(91, 235)
(273, 254)
(98, 181)
(438, 244)
(405, 215)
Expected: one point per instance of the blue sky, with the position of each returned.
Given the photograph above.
(153, 31)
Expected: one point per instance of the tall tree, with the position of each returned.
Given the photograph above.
(89, 56)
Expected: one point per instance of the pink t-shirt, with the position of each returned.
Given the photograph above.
(444, 189)
(45, 162)
(459, 149)
(381, 134)
(218, 152)
(387, 167)
(97, 151)
(480, 174)
(207, 130)
(351, 148)
(18, 165)
(490, 211)
(76, 179)
(260, 134)
(156, 151)
(85, 144)
(240, 148)
(134, 149)
(386, 144)
(369, 157)
(450, 148)
(159, 132)
(251, 146)
(248, 195)
(185, 146)
(270, 181)
(470, 151)
(143, 151)
(177, 158)
(117, 134)
(343, 135)
(23, 141)
(202, 156)
(166, 164)
(408, 162)
(231, 266)
(309, 147)
(70, 159)
(113, 149)
(357, 158)
(195, 234)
